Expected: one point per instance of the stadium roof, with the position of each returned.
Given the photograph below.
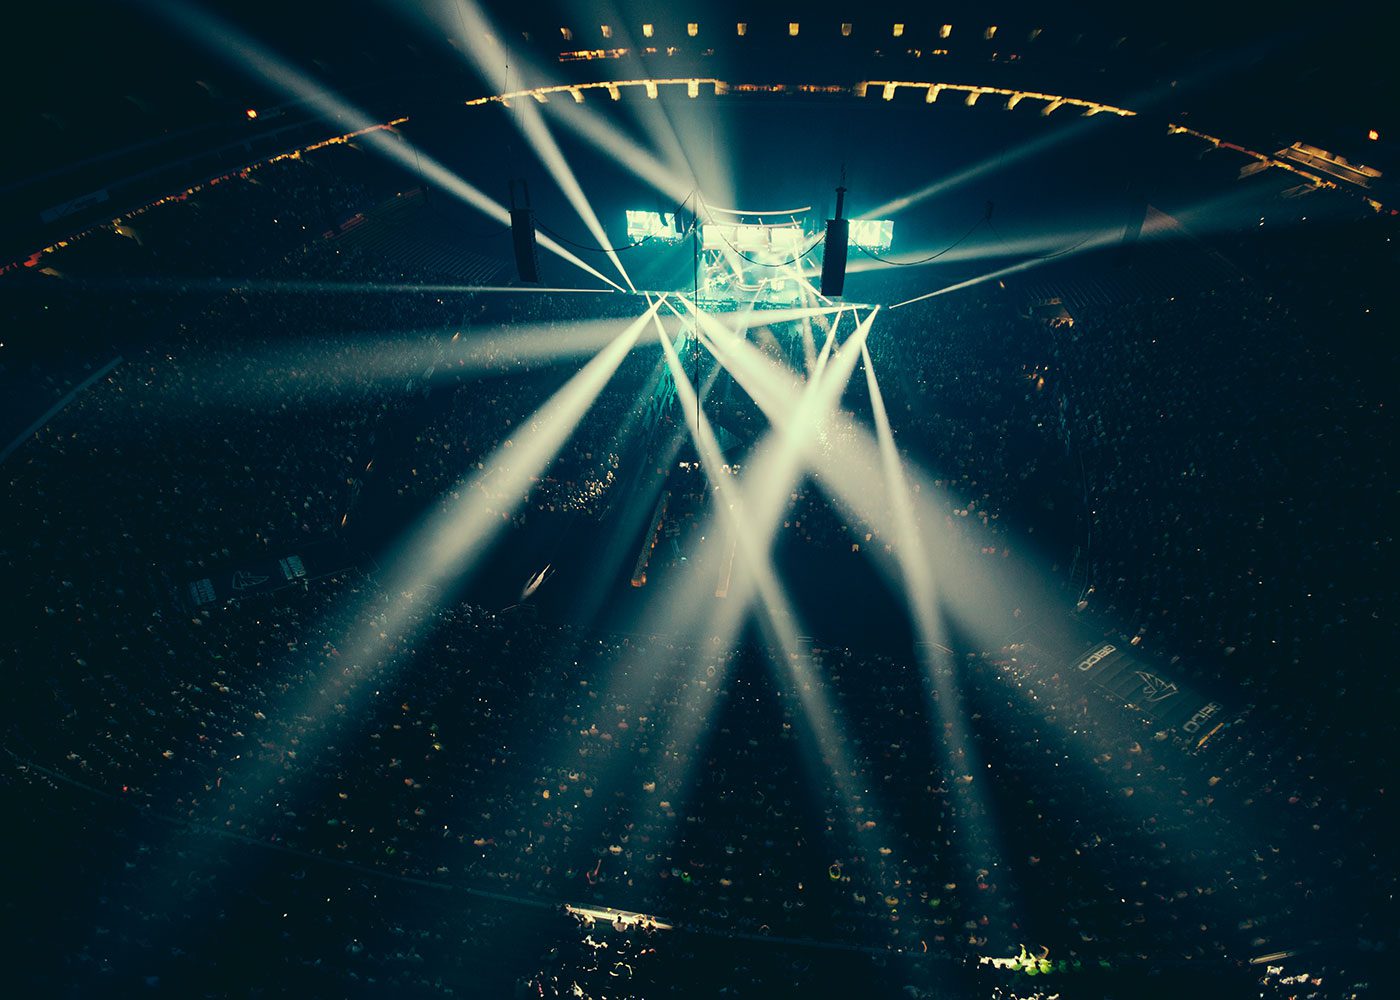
(100, 92)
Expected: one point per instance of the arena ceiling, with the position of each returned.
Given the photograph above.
(99, 93)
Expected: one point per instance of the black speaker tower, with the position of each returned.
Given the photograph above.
(522, 235)
(838, 236)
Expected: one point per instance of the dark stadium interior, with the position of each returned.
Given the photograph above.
(1013, 622)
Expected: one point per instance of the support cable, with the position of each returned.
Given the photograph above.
(932, 257)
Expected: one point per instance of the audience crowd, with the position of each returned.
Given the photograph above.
(363, 791)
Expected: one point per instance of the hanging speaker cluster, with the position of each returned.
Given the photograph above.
(838, 237)
(522, 236)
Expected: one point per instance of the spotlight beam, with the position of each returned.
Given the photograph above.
(838, 475)
(768, 317)
(579, 119)
(1222, 213)
(772, 472)
(709, 174)
(774, 465)
(1227, 62)
(775, 602)
(920, 593)
(770, 486)
(442, 550)
(243, 51)
(446, 544)
(770, 385)
(531, 122)
(478, 38)
(1103, 239)
(990, 165)
(809, 344)
(721, 629)
(623, 150)
(658, 120)
(392, 357)
(219, 285)
(825, 354)
(1013, 246)
(918, 581)
(812, 406)
(775, 393)
(779, 399)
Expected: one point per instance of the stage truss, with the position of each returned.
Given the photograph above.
(762, 258)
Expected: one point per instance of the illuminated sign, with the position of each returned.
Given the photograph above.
(1154, 688)
(1196, 721)
(652, 225)
(1088, 662)
(872, 234)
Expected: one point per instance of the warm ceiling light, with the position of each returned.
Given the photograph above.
(898, 30)
(1373, 135)
(793, 29)
(648, 30)
(990, 33)
(742, 29)
(846, 29)
(253, 113)
(606, 29)
(692, 29)
(945, 31)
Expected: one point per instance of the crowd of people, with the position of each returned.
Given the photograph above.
(383, 791)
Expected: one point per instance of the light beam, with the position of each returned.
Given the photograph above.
(479, 40)
(242, 50)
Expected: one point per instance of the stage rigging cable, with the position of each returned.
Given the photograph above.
(932, 257)
(630, 246)
(787, 263)
(1049, 256)
(596, 249)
